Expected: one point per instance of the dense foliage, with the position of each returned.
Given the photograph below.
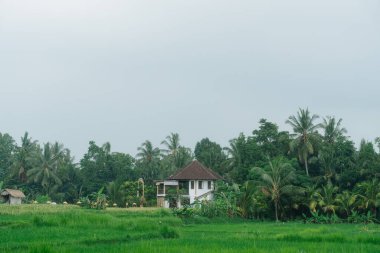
(314, 171)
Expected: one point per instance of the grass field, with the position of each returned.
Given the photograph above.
(39, 228)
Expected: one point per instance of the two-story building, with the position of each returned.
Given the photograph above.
(193, 182)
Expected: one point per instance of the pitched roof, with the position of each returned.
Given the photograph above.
(195, 171)
(13, 193)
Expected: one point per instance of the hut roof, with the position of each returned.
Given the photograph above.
(13, 193)
(195, 171)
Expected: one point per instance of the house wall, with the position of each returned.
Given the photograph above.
(14, 201)
(193, 193)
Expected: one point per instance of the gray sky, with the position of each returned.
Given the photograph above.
(126, 71)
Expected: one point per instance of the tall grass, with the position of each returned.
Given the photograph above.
(44, 228)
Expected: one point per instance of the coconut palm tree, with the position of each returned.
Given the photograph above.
(276, 181)
(183, 157)
(23, 157)
(147, 152)
(369, 194)
(347, 201)
(45, 170)
(305, 133)
(332, 129)
(177, 155)
(235, 152)
(326, 198)
(377, 141)
(172, 144)
(149, 157)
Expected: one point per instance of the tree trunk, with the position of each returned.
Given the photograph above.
(276, 210)
(306, 167)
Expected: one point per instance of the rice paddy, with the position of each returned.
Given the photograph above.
(43, 228)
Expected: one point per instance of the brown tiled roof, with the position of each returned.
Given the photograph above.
(195, 171)
(13, 193)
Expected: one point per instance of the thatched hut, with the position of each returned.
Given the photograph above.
(12, 197)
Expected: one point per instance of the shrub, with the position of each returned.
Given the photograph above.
(96, 200)
(42, 199)
(168, 232)
(185, 212)
(322, 219)
(356, 217)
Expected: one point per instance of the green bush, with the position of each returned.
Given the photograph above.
(322, 219)
(186, 212)
(356, 217)
(168, 232)
(42, 199)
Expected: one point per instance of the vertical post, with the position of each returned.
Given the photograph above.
(195, 187)
(178, 198)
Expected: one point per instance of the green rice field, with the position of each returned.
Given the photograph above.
(43, 228)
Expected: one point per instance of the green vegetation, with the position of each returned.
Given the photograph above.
(313, 171)
(46, 228)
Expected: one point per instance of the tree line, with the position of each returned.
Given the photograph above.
(316, 168)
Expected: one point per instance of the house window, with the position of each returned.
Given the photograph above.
(200, 184)
(192, 184)
(209, 185)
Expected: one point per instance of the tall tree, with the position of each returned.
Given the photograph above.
(46, 170)
(306, 135)
(122, 167)
(148, 160)
(174, 155)
(369, 193)
(332, 129)
(23, 158)
(7, 148)
(276, 181)
(367, 161)
(272, 143)
(171, 143)
(210, 154)
(236, 156)
(377, 141)
(96, 168)
(333, 137)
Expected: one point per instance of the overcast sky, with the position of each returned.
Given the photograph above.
(127, 71)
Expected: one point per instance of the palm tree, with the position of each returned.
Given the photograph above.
(147, 152)
(306, 136)
(312, 194)
(377, 141)
(172, 144)
(326, 198)
(369, 193)
(45, 171)
(276, 181)
(332, 129)
(327, 159)
(235, 152)
(177, 155)
(149, 158)
(23, 156)
(183, 157)
(347, 201)
(115, 193)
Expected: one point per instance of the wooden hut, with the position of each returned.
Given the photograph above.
(12, 197)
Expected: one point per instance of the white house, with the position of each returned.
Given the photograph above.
(12, 197)
(194, 182)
